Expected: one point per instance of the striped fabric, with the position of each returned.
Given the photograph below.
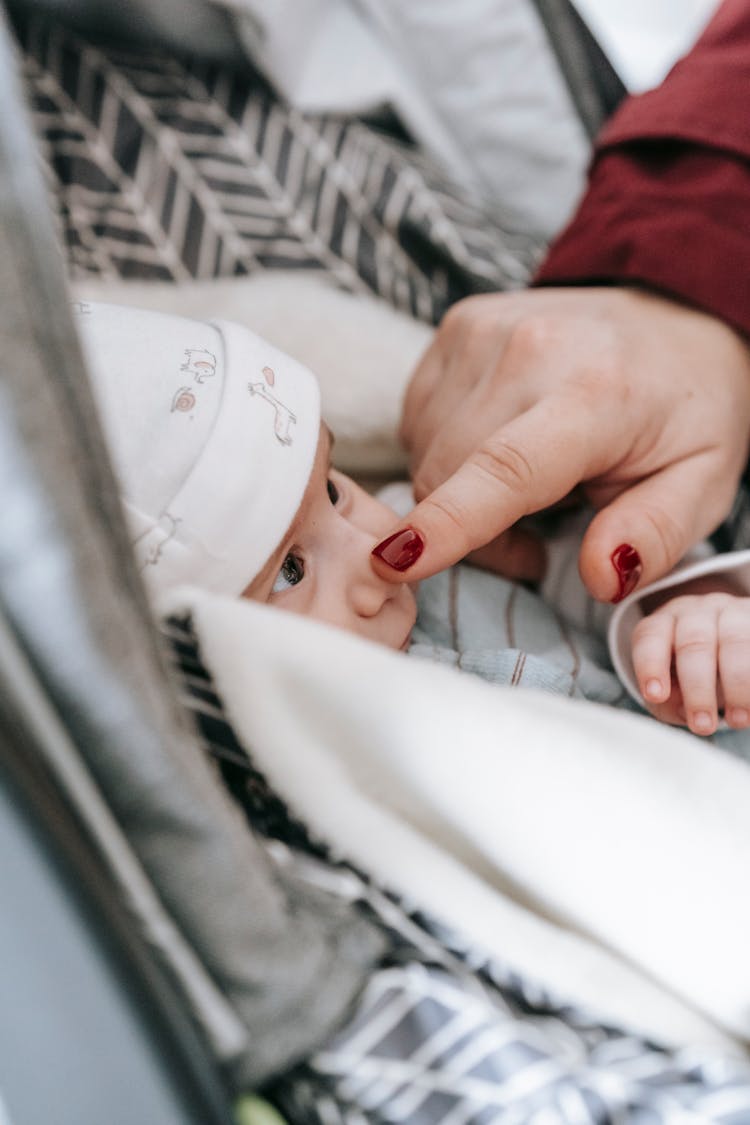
(499, 630)
(167, 169)
(443, 1035)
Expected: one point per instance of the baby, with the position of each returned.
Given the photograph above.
(227, 478)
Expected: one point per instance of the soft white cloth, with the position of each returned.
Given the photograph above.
(598, 852)
(213, 434)
(361, 349)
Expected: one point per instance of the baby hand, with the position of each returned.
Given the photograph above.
(692, 658)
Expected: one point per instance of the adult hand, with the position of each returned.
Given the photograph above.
(522, 397)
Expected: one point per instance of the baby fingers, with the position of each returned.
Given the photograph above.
(692, 656)
(652, 647)
(696, 643)
(734, 661)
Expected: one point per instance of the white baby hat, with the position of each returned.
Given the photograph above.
(213, 434)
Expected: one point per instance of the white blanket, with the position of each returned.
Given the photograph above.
(599, 853)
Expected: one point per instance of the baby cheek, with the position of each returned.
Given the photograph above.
(382, 518)
(366, 511)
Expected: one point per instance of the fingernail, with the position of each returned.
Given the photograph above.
(738, 717)
(653, 689)
(702, 722)
(628, 567)
(400, 550)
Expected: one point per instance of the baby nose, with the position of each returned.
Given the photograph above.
(368, 592)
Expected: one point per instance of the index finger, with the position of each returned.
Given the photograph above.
(528, 464)
(420, 388)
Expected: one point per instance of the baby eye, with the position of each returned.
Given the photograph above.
(333, 492)
(291, 574)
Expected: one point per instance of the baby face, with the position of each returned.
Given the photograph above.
(322, 567)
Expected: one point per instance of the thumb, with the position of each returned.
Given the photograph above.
(525, 466)
(643, 533)
(516, 554)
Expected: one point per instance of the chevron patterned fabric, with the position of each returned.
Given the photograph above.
(168, 169)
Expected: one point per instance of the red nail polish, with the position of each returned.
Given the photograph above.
(628, 567)
(400, 550)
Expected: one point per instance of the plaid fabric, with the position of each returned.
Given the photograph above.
(443, 1035)
(423, 1048)
(167, 169)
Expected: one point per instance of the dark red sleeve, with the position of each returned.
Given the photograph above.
(668, 200)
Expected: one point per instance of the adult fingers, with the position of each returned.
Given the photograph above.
(474, 418)
(517, 553)
(642, 533)
(528, 464)
(466, 349)
(416, 429)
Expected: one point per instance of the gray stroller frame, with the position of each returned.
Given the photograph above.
(106, 794)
